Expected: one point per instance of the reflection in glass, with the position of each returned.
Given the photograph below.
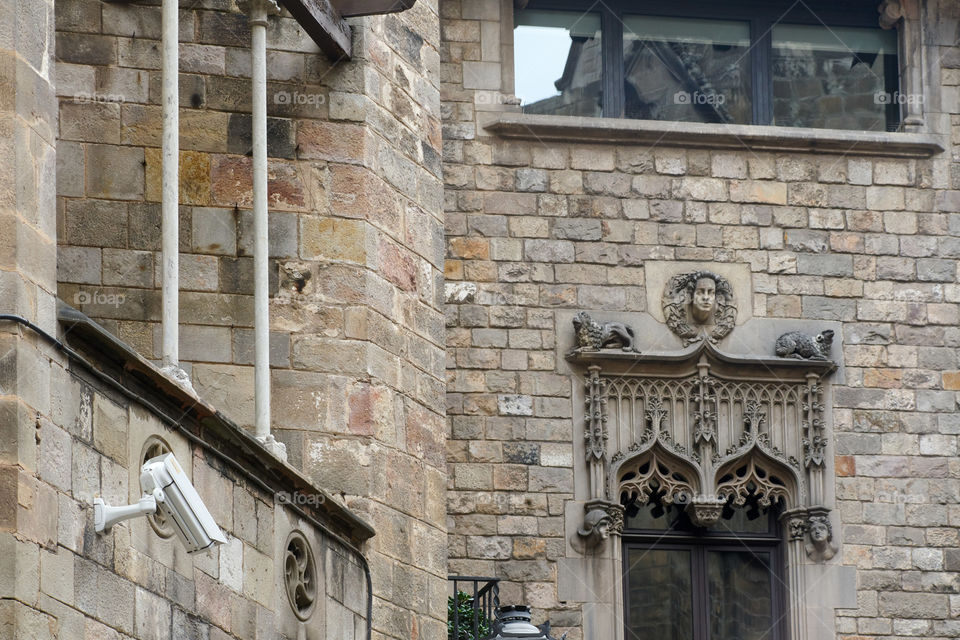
(836, 78)
(559, 63)
(741, 602)
(685, 69)
(659, 594)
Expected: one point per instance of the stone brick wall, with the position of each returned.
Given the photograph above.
(356, 248)
(538, 227)
(60, 579)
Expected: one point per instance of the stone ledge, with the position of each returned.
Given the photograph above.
(206, 423)
(714, 136)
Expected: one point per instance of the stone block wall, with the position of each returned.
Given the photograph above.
(535, 228)
(356, 248)
(61, 579)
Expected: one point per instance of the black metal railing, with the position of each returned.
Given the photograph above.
(484, 605)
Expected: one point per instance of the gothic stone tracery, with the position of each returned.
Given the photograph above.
(706, 429)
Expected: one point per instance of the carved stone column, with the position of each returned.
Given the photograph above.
(904, 16)
(595, 432)
(795, 522)
(814, 440)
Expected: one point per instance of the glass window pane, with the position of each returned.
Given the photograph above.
(835, 78)
(687, 69)
(751, 518)
(652, 515)
(559, 62)
(659, 594)
(741, 602)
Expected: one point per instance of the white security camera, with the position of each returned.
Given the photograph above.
(166, 488)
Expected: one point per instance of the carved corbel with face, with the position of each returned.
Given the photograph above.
(601, 519)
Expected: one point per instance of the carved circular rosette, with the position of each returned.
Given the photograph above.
(300, 575)
(153, 447)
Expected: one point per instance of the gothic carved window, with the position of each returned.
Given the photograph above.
(708, 473)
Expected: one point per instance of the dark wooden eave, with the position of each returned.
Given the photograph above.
(351, 8)
(324, 24)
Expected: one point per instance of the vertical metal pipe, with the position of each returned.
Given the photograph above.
(258, 11)
(260, 243)
(170, 224)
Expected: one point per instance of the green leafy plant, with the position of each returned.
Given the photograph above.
(462, 605)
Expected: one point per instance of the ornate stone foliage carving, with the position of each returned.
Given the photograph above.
(796, 525)
(814, 442)
(595, 431)
(594, 336)
(751, 478)
(654, 473)
(705, 512)
(705, 416)
(705, 430)
(692, 311)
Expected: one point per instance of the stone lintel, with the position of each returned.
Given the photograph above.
(715, 136)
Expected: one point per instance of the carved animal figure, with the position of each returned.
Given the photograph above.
(802, 346)
(593, 335)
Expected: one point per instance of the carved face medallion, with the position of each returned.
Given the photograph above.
(699, 304)
(704, 300)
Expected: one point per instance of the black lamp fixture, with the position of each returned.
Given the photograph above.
(514, 622)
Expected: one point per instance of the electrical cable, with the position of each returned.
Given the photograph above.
(176, 424)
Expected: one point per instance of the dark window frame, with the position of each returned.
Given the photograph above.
(760, 15)
(699, 544)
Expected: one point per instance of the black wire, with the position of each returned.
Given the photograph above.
(73, 355)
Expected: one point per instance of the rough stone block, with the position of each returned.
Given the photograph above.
(97, 223)
(78, 264)
(515, 405)
(110, 428)
(214, 231)
(549, 251)
(114, 172)
(128, 268)
(758, 191)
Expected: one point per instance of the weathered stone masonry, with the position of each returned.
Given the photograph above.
(535, 228)
(356, 248)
